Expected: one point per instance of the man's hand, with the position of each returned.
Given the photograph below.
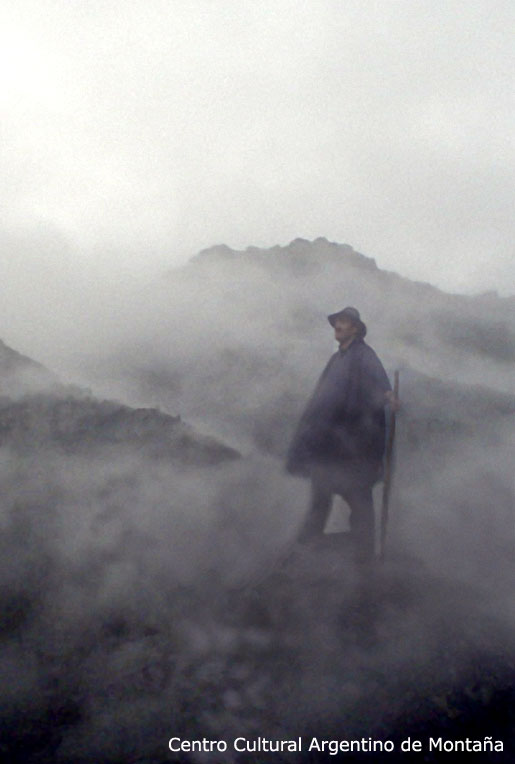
(392, 401)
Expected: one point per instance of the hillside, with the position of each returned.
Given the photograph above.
(143, 594)
(38, 411)
(250, 337)
(250, 325)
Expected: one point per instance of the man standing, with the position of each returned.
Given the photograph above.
(340, 440)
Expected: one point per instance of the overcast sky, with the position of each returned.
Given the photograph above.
(135, 133)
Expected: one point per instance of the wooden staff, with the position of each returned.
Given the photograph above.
(388, 469)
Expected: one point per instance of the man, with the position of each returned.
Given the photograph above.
(340, 440)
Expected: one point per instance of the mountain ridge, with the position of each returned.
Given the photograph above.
(38, 410)
(322, 246)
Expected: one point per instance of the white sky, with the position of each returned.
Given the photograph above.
(135, 133)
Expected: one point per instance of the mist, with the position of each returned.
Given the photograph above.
(145, 134)
(143, 592)
(189, 190)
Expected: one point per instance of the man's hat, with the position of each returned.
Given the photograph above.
(352, 315)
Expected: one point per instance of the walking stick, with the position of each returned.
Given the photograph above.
(388, 471)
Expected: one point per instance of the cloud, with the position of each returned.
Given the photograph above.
(156, 129)
(127, 577)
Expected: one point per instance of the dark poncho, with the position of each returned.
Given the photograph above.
(344, 420)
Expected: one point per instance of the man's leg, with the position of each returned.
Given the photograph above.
(362, 520)
(318, 512)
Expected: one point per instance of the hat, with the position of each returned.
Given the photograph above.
(352, 315)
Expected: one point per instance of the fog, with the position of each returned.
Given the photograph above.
(143, 595)
(150, 581)
(142, 134)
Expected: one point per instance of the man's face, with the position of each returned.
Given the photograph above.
(344, 330)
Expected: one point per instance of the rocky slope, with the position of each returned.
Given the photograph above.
(143, 594)
(250, 337)
(38, 411)
(249, 330)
